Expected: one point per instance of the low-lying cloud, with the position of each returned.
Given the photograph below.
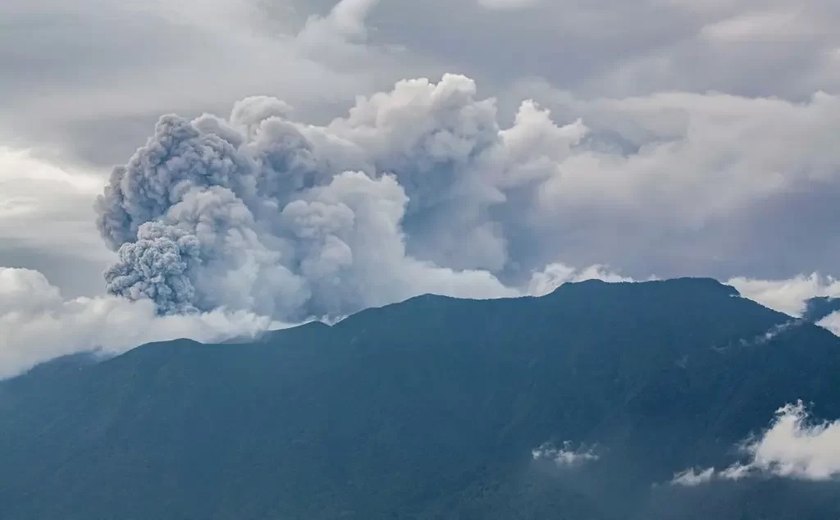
(794, 446)
(789, 296)
(566, 456)
(260, 213)
(831, 322)
(812, 298)
(693, 477)
(39, 324)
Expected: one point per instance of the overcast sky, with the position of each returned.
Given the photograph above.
(654, 138)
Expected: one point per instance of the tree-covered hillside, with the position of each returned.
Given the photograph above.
(432, 408)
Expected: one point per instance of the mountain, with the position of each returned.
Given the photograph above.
(820, 307)
(432, 408)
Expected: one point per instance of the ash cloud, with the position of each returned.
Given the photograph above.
(258, 212)
(421, 189)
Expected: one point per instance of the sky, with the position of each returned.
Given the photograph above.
(249, 163)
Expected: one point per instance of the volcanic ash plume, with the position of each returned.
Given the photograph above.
(409, 193)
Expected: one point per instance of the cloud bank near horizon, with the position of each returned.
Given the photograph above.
(39, 324)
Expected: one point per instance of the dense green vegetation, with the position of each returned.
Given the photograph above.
(429, 409)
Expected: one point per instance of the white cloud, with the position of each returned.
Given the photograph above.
(788, 296)
(831, 322)
(44, 206)
(38, 324)
(702, 184)
(557, 274)
(693, 477)
(691, 146)
(793, 447)
(567, 456)
(340, 39)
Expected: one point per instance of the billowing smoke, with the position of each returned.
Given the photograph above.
(259, 212)
(421, 189)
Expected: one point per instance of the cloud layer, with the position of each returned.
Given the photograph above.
(39, 324)
(788, 296)
(812, 298)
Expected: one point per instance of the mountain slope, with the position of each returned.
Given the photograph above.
(430, 409)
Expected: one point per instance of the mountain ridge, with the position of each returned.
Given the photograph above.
(429, 408)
